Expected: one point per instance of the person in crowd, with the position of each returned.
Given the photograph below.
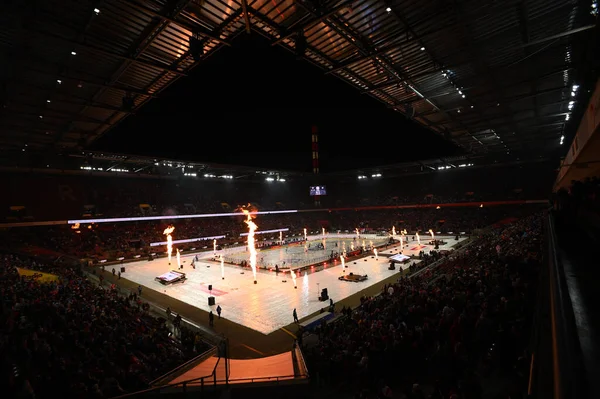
(73, 338)
(444, 330)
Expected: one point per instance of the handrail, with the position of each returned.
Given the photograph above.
(301, 360)
(205, 354)
(183, 384)
(258, 379)
(540, 327)
(568, 381)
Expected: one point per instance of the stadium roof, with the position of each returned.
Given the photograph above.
(105, 164)
(490, 75)
(102, 161)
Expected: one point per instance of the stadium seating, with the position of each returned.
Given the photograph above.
(457, 332)
(109, 242)
(72, 338)
(73, 196)
(430, 332)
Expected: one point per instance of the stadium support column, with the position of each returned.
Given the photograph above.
(315, 157)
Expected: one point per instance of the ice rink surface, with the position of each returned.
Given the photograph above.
(266, 306)
(297, 256)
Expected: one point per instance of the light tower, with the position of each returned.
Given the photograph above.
(315, 157)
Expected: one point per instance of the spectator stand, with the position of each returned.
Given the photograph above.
(507, 244)
(105, 343)
(308, 326)
(207, 335)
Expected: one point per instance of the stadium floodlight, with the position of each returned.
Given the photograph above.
(265, 232)
(172, 217)
(187, 240)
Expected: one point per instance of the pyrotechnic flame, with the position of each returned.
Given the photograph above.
(343, 261)
(351, 246)
(305, 234)
(393, 231)
(432, 236)
(357, 233)
(293, 277)
(168, 231)
(418, 238)
(323, 230)
(375, 252)
(215, 246)
(222, 267)
(75, 226)
(178, 258)
(251, 243)
(364, 244)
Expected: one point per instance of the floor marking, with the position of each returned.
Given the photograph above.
(252, 349)
(288, 332)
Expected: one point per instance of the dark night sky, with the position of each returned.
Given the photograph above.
(253, 104)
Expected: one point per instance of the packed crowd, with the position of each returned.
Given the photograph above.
(582, 198)
(72, 338)
(447, 330)
(73, 196)
(127, 240)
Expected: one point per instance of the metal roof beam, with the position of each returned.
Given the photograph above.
(92, 104)
(54, 114)
(233, 17)
(200, 30)
(48, 130)
(560, 123)
(93, 83)
(354, 76)
(99, 51)
(480, 65)
(360, 44)
(152, 31)
(83, 101)
(312, 22)
(521, 82)
(28, 62)
(559, 35)
(246, 16)
(385, 85)
(510, 100)
(392, 83)
(418, 38)
(395, 46)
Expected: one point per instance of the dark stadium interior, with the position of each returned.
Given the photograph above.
(463, 135)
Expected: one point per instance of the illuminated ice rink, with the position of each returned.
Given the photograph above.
(318, 250)
(267, 305)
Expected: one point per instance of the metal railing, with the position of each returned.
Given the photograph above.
(280, 378)
(194, 382)
(568, 380)
(212, 380)
(193, 362)
(300, 361)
